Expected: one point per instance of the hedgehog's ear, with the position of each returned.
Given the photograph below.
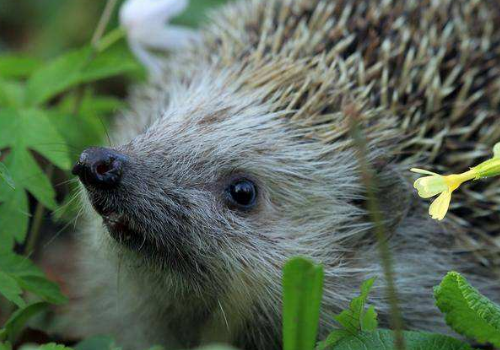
(394, 195)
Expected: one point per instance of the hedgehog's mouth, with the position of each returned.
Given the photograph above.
(119, 227)
(123, 231)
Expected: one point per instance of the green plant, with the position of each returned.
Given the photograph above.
(49, 112)
(467, 311)
(17, 275)
(36, 123)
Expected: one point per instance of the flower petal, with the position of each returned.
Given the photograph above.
(422, 171)
(429, 186)
(496, 151)
(439, 207)
(165, 37)
(139, 13)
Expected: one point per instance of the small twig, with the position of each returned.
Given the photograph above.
(97, 47)
(369, 182)
(95, 42)
(103, 22)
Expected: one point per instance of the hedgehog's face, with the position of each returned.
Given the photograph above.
(208, 189)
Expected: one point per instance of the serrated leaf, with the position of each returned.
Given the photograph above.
(17, 321)
(75, 68)
(333, 338)
(24, 131)
(19, 273)
(355, 319)
(384, 340)
(467, 311)
(15, 66)
(302, 292)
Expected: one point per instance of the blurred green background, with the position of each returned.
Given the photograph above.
(45, 28)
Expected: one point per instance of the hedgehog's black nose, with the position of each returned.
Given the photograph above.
(100, 167)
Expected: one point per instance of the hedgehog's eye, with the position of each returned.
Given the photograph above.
(242, 193)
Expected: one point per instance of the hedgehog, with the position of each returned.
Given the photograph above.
(238, 157)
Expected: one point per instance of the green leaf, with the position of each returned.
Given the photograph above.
(42, 287)
(467, 311)
(10, 289)
(12, 66)
(23, 131)
(97, 343)
(302, 292)
(369, 319)
(333, 338)
(5, 176)
(75, 68)
(384, 340)
(355, 319)
(18, 273)
(11, 93)
(17, 321)
(14, 216)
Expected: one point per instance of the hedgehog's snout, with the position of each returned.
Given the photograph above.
(100, 167)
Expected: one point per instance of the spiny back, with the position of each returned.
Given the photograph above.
(426, 72)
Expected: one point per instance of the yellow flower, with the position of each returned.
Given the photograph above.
(434, 184)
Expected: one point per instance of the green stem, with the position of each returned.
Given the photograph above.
(110, 39)
(98, 45)
(36, 224)
(95, 43)
(368, 179)
(103, 22)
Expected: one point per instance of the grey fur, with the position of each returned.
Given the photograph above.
(264, 96)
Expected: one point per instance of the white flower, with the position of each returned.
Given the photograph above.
(146, 25)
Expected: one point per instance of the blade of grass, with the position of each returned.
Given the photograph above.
(302, 292)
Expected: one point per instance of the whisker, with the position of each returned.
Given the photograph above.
(105, 131)
(65, 182)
